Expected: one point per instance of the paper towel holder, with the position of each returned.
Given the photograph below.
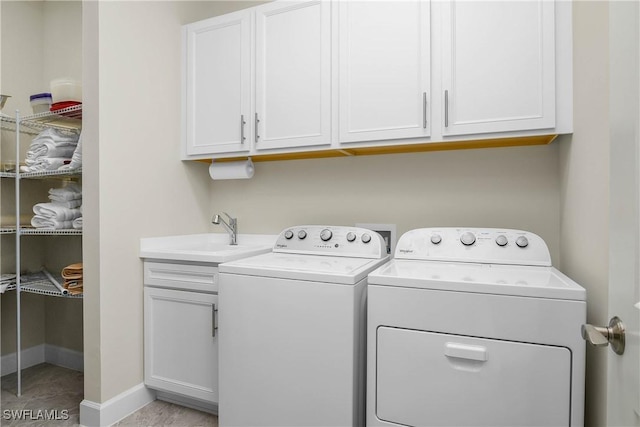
(242, 169)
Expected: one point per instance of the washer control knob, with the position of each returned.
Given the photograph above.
(302, 234)
(436, 239)
(366, 238)
(501, 240)
(468, 238)
(351, 236)
(288, 234)
(326, 234)
(522, 242)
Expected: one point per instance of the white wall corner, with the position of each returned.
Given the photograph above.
(64, 357)
(113, 410)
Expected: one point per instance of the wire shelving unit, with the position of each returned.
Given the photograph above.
(68, 120)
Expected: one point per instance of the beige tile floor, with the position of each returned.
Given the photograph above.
(46, 387)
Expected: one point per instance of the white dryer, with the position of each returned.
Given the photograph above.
(474, 327)
(292, 329)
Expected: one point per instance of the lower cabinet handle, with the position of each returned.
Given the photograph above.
(213, 320)
(446, 108)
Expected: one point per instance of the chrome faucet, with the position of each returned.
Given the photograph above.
(231, 227)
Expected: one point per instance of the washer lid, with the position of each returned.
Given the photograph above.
(317, 268)
(527, 281)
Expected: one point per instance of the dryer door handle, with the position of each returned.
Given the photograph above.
(465, 351)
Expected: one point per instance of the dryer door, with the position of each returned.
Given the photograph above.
(434, 379)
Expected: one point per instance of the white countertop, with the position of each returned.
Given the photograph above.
(209, 247)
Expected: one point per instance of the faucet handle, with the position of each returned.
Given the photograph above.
(231, 219)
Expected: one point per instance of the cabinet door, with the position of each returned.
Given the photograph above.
(384, 70)
(180, 343)
(498, 66)
(217, 79)
(293, 74)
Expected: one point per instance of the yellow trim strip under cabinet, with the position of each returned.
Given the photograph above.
(395, 149)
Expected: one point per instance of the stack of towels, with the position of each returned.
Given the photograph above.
(52, 149)
(64, 211)
(72, 275)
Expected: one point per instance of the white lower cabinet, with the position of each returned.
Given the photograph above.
(180, 340)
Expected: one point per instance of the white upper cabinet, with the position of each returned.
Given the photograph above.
(384, 62)
(300, 76)
(498, 71)
(217, 84)
(293, 74)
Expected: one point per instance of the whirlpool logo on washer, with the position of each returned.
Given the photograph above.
(281, 246)
(406, 251)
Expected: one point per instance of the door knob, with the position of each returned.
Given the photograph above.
(602, 336)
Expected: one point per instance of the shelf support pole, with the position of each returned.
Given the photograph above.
(18, 299)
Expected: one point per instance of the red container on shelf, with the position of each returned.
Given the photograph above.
(61, 106)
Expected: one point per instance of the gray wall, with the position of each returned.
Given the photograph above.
(584, 187)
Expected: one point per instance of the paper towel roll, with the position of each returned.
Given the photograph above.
(231, 170)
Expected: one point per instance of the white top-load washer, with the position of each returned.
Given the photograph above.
(474, 327)
(292, 329)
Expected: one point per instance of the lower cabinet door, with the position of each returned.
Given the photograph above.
(180, 343)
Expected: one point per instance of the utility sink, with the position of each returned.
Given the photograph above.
(209, 248)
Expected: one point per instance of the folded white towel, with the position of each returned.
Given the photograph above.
(65, 197)
(57, 212)
(43, 164)
(77, 223)
(42, 222)
(55, 135)
(71, 204)
(7, 278)
(50, 149)
(76, 159)
(71, 191)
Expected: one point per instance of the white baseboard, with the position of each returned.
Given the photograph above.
(42, 353)
(94, 414)
(199, 405)
(29, 357)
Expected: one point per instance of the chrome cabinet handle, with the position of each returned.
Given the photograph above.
(424, 110)
(446, 108)
(256, 127)
(213, 320)
(242, 123)
(603, 336)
